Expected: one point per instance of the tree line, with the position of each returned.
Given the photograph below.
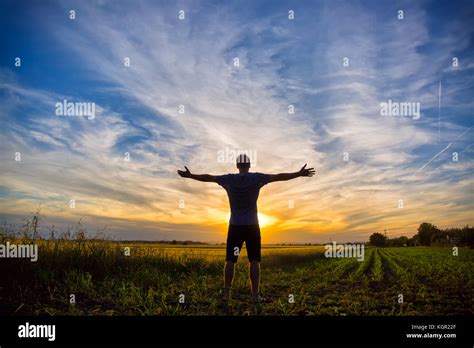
(428, 235)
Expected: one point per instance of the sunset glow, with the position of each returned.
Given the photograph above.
(183, 100)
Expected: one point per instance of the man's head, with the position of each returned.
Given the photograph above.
(243, 163)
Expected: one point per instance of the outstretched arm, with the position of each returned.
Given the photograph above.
(199, 177)
(288, 176)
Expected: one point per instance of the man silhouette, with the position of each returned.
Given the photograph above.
(243, 189)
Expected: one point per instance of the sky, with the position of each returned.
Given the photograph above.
(291, 82)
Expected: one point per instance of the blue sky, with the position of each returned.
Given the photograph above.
(190, 62)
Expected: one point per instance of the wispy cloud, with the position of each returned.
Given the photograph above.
(190, 63)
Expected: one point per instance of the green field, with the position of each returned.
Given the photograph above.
(150, 280)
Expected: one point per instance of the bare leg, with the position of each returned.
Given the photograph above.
(229, 270)
(255, 279)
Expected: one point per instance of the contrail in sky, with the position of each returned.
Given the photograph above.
(439, 153)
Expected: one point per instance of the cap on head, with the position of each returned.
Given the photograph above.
(243, 161)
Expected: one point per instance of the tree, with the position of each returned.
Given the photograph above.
(466, 236)
(425, 232)
(378, 239)
(462, 236)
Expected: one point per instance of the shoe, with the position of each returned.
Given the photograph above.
(226, 295)
(260, 299)
(257, 305)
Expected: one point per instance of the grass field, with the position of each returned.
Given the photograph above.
(150, 280)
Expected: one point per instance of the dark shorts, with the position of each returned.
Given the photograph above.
(237, 235)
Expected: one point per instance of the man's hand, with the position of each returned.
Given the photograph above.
(306, 172)
(289, 176)
(184, 173)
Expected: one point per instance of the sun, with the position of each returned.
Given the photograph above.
(265, 220)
